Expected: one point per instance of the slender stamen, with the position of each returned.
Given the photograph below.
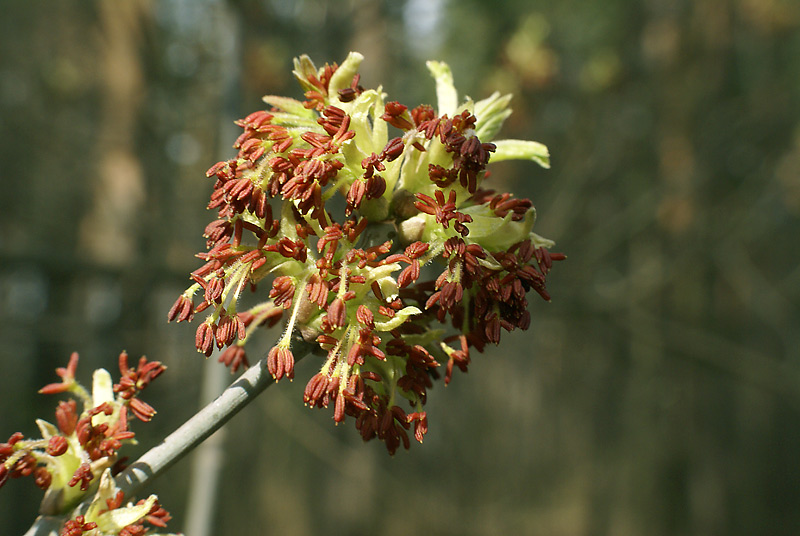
(299, 297)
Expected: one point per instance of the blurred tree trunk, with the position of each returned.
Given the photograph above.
(369, 37)
(109, 228)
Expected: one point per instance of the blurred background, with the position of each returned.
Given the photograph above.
(658, 394)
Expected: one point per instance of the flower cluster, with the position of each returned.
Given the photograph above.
(386, 251)
(108, 515)
(85, 442)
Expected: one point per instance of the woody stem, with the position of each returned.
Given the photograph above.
(207, 421)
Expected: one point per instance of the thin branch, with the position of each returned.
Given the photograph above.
(207, 421)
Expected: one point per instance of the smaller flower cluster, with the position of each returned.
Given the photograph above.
(109, 515)
(85, 442)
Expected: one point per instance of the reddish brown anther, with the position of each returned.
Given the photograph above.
(218, 231)
(158, 516)
(408, 275)
(67, 377)
(67, 416)
(545, 259)
(282, 292)
(6, 448)
(227, 329)
(339, 408)
(336, 123)
(204, 338)
(82, 475)
(440, 176)
(370, 164)
(182, 309)
(502, 204)
(367, 346)
(214, 288)
(142, 410)
(256, 120)
(349, 94)
(134, 380)
(317, 290)
(220, 168)
(397, 115)
(420, 421)
(376, 187)
(280, 363)
(25, 466)
(332, 235)
(445, 211)
(355, 195)
(392, 150)
(114, 502)
(292, 249)
(89, 435)
(77, 526)
(423, 114)
(135, 529)
(337, 313)
(493, 328)
(365, 316)
(392, 426)
(252, 150)
(57, 445)
(42, 478)
(317, 393)
(459, 358)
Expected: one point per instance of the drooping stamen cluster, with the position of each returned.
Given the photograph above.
(351, 276)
